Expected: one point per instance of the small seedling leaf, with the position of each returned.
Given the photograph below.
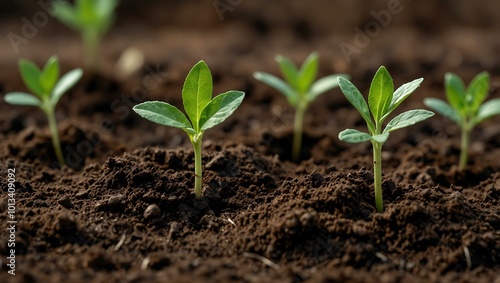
(64, 84)
(221, 107)
(381, 92)
(308, 72)
(106, 7)
(407, 118)
(22, 98)
(455, 92)
(323, 85)
(67, 15)
(87, 12)
(477, 91)
(402, 93)
(356, 99)
(279, 85)
(443, 109)
(354, 136)
(30, 74)
(382, 138)
(489, 109)
(164, 114)
(197, 92)
(289, 71)
(49, 75)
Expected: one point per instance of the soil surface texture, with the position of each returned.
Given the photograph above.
(123, 210)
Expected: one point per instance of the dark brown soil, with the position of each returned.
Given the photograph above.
(124, 211)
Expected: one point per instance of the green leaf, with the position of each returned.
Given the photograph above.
(164, 114)
(279, 85)
(455, 92)
(221, 107)
(30, 74)
(64, 84)
(382, 138)
(106, 7)
(22, 98)
(87, 11)
(308, 72)
(381, 93)
(354, 136)
(443, 109)
(50, 74)
(477, 91)
(67, 14)
(289, 71)
(323, 85)
(356, 99)
(197, 92)
(487, 110)
(407, 118)
(402, 93)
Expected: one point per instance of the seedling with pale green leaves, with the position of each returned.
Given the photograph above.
(382, 101)
(47, 89)
(300, 89)
(203, 112)
(92, 18)
(465, 107)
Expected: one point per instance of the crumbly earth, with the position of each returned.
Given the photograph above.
(124, 211)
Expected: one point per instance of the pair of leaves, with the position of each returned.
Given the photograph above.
(299, 82)
(382, 101)
(96, 14)
(203, 111)
(466, 105)
(302, 79)
(44, 84)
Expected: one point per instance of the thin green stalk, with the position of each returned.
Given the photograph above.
(297, 132)
(198, 172)
(377, 170)
(91, 41)
(55, 136)
(377, 176)
(464, 147)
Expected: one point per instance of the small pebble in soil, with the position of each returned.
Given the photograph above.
(116, 200)
(66, 224)
(317, 179)
(65, 201)
(82, 194)
(152, 211)
(174, 230)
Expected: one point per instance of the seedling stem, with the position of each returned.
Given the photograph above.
(297, 130)
(464, 146)
(377, 175)
(198, 170)
(55, 134)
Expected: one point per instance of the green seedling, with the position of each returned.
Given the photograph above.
(203, 112)
(300, 89)
(382, 101)
(91, 18)
(465, 107)
(47, 89)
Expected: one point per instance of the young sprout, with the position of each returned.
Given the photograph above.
(203, 112)
(47, 89)
(92, 18)
(300, 89)
(465, 107)
(382, 100)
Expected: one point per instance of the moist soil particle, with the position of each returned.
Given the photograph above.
(124, 211)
